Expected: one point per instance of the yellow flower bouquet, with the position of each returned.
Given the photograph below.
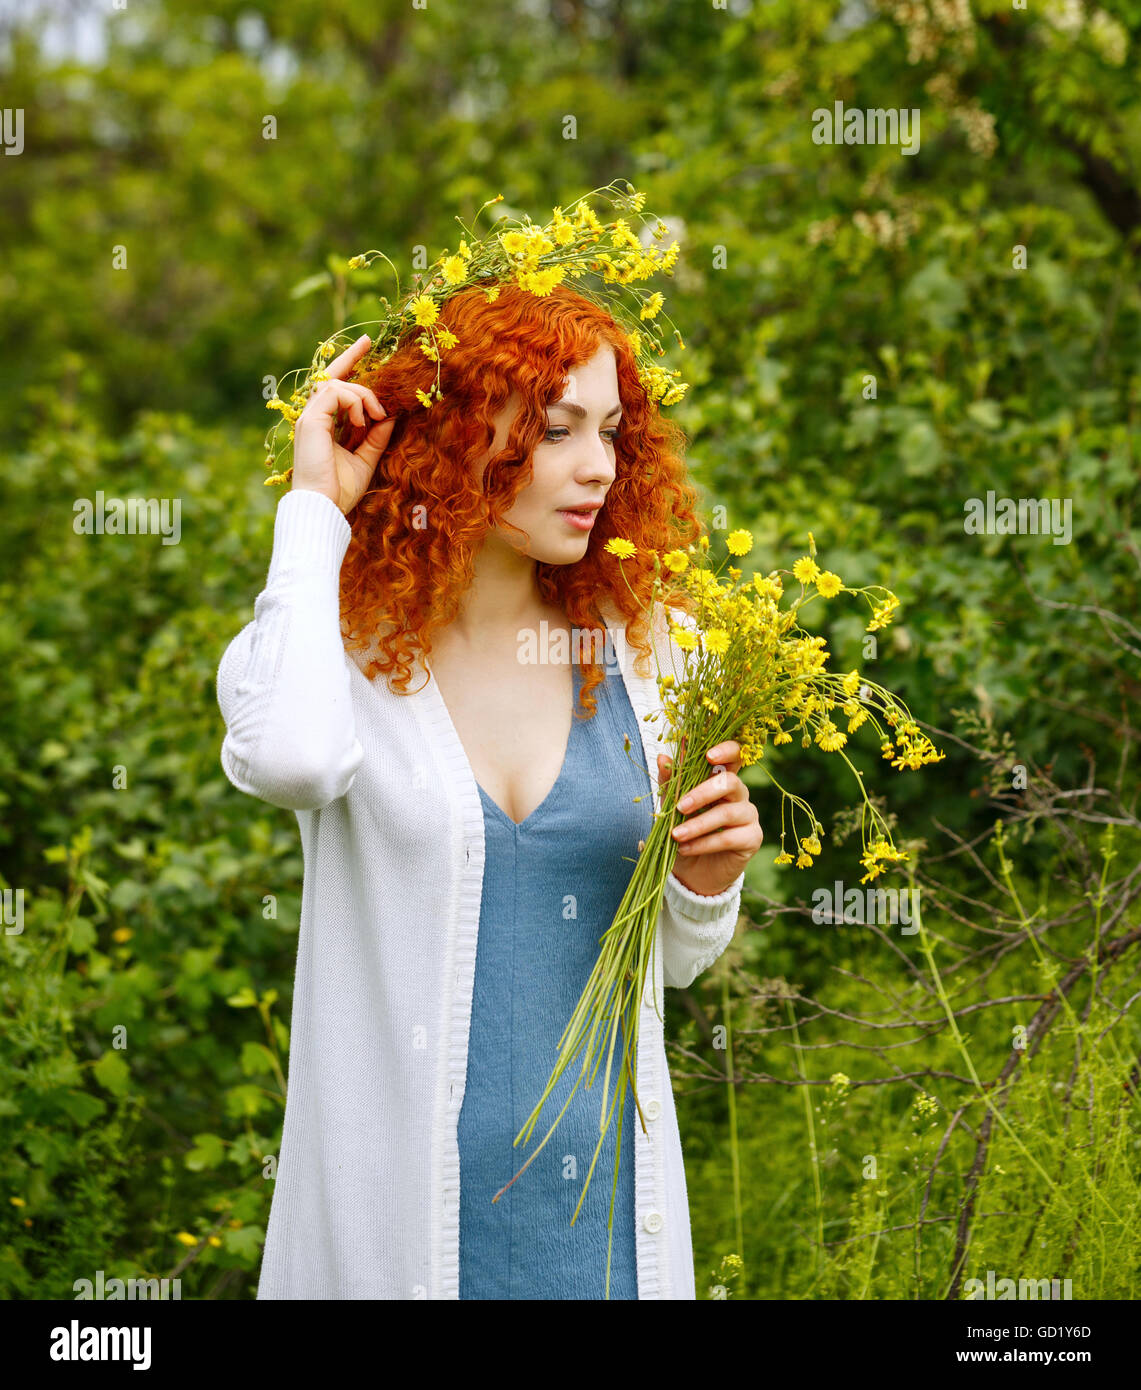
(753, 675)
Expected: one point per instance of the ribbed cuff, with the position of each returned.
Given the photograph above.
(697, 907)
(309, 532)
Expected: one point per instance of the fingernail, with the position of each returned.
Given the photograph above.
(685, 803)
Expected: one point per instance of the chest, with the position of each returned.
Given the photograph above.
(514, 721)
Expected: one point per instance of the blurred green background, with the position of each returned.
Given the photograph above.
(868, 349)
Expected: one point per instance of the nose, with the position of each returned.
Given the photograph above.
(595, 464)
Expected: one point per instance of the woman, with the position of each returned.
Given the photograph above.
(467, 840)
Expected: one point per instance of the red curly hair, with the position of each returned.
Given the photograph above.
(401, 580)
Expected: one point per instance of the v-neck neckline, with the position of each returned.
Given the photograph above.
(482, 791)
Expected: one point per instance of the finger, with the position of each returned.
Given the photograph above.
(727, 754)
(341, 366)
(374, 443)
(741, 839)
(723, 814)
(369, 397)
(722, 786)
(323, 404)
(665, 768)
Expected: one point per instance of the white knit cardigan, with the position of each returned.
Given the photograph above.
(367, 1196)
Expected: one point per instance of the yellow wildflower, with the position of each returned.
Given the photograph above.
(675, 560)
(806, 570)
(739, 542)
(877, 855)
(783, 858)
(717, 641)
(423, 311)
(829, 584)
(829, 737)
(883, 614)
(768, 587)
(652, 306)
(514, 243)
(622, 548)
(541, 282)
(684, 638)
(454, 269)
(857, 716)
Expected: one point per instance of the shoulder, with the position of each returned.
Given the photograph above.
(657, 634)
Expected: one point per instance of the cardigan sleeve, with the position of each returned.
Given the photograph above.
(695, 930)
(284, 681)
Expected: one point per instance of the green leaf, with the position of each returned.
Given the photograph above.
(113, 1072)
(81, 936)
(985, 413)
(246, 1243)
(311, 283)
(244, 1100)
(257, 1059)
(209, 1150)
(126, 893)
(81, 1106)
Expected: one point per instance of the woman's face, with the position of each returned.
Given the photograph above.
(573, 465)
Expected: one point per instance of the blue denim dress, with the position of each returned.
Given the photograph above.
(551, 887)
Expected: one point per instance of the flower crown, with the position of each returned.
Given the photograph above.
(536, 258)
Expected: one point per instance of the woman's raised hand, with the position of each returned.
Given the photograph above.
(322, 465)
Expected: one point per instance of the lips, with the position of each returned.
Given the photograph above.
(582, 518)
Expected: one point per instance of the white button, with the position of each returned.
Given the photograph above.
(653, 1110)
(653, 1222)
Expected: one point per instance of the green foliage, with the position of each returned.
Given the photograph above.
(144, 1005)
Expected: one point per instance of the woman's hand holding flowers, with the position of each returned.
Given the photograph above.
(715, 846)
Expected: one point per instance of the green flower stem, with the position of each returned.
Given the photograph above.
(731, 1093)
(1011, 1133)
(811, 1136)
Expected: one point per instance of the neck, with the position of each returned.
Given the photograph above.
(501, 598)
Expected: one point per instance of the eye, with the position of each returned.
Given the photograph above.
(614, 433)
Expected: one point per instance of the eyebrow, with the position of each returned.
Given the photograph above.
(579, 411)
